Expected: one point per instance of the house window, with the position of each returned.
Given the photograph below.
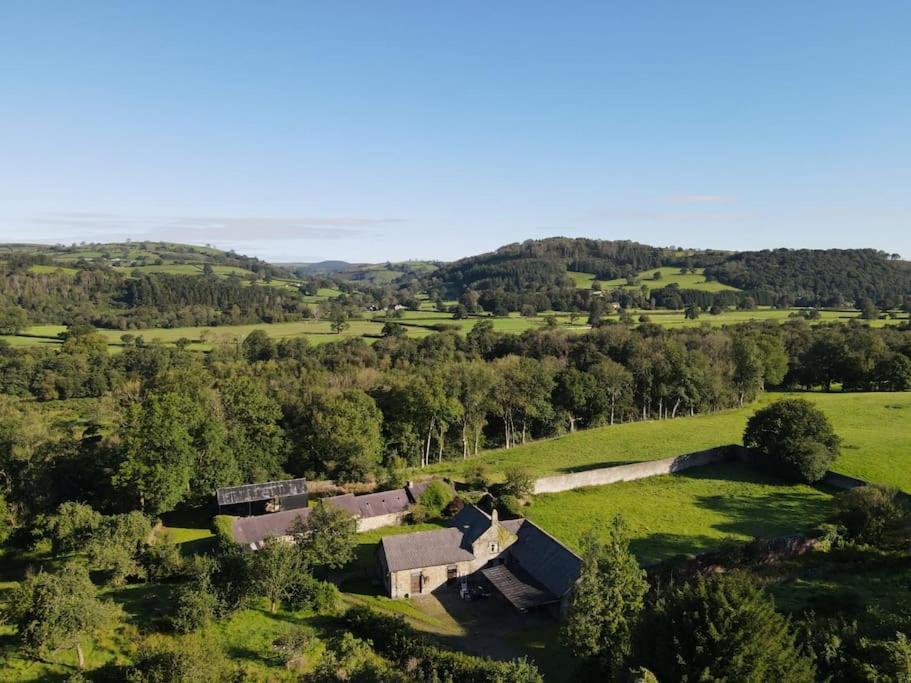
(492, 547)
(452, 573)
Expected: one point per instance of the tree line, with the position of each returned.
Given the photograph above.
(163, 426)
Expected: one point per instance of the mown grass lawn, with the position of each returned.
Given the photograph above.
(687, 512)
(875, 428)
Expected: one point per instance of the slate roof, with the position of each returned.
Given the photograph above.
(471, 521)
(250, 493)
(424, 549)
(541, 556)
(372, 504)
(250, 530)
(520, 592)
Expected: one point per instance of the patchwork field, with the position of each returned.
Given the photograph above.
(669, 276)
(687, 512)
(417, 324)
(874, 427)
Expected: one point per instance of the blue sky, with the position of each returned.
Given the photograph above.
(372, 131)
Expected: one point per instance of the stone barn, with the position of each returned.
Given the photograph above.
(525, 565)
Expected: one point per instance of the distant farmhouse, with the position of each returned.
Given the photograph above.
(269, 496)
(526, 566)
(372, 511)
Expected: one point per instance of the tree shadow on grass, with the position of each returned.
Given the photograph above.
(146, 605)
(659, 547)
(198, 546)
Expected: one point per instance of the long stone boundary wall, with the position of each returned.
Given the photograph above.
(637, 470)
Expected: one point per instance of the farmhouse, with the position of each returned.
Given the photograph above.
(371, 511)
(525, 565)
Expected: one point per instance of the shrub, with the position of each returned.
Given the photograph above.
(311, 593)
(509, 506)
(196, 607)
(162, 560)
(519, 482)
(190, 659)
(876, 515)
(435, 497)
(476, 475)
(795, 439)
(223, 528)
(455, 507)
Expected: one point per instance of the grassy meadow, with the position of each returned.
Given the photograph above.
(874, 428)
(687, 512)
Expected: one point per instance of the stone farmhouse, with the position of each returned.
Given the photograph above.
(372, 511)
(525, 565)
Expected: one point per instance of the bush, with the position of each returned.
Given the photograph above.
(875, 515)
(223, 528)
(190, 659)
(196, 607)
(420, 513)
(510, 506)
(436, 497)
(476, 475)
(311, 593)
(795, 439)
(162, 560)
(519, 482)
(455, 507)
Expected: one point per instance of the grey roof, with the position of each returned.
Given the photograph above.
(372, 504)
(424, 549)
(520, 592)
(249, 530)
(414, 491)
(249, 493)
(471, 521)
(541, 556)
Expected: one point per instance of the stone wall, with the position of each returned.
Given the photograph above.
(638, 470)
(379, 521)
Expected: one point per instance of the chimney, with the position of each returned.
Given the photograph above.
(494, 516)
(409, 484)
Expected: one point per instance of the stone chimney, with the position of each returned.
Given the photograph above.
(494, 516)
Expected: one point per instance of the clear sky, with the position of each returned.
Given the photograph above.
(383, 130)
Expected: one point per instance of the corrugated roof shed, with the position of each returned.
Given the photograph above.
(424, 549)
(250, 493)
(250, 530)
(542, 557)
(520, 593)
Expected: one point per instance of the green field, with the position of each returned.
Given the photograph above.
(687, 512)
(418, 324)
(669, 276)
(874, 428)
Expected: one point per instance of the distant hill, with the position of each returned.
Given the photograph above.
(320, 268)
(145, 256)
(373, 273)
(550, 268)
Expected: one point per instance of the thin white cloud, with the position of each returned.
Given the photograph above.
(695, 199)
(102, 226)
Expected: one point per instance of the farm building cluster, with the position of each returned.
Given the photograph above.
(522, 563)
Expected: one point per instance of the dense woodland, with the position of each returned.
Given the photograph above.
(169, 425)
(529, 278)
